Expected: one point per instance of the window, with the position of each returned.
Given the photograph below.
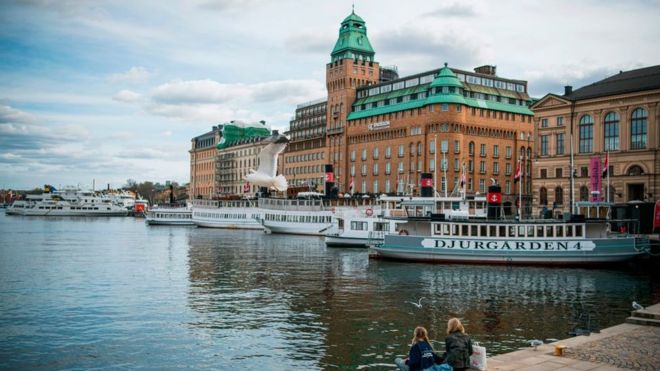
(560, 121)
(544, 145)
(507, 187)
(584, 193)
(508, 152)
(584, 172)
(635, 170)
(375, 169)
(457, 146)
(444, 107)
(611, 128)
(471, 149)
(376, 186)
(507, 169)
(559, 172)
(586, 134)
(387, 186)
(543, 196)
(482, 150)
(544, 173)
(496, 151)
(364, 154)
(352, 169)
(353, 155)
(363, 170)
(544, 123)
(638, 129)
(482, 167)
(376, 153)
(432, 146)
(496, 168)
(400, 167)
(401, 149)
(420, 148)
(388, 168)
(388, 152)
(560, 143)
(431, 165)
(559, 196)
(457, 165)
(364, 186)
(482, 186)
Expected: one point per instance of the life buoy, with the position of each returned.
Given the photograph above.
(369, 212)
(403, 232)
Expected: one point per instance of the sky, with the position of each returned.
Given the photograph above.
(99, 92)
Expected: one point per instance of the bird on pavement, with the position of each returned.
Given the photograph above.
(637, 306)
(535, 343)
(418, 304)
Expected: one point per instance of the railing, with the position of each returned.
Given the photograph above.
(335, 130)
(291, 205)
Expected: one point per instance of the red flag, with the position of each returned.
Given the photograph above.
(518, 174)
(606, 165)
(350, 186)
(246, 187)
(462, 179)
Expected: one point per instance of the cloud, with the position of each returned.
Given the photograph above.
(127, 96)
(311, 42)
(231, 5)
(144, 153)
(14, 116)
(133, 75)
(452, 10)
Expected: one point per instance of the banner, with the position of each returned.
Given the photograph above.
(596, 180)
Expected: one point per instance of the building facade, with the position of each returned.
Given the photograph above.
(302, 162)
(235, 162)
(618, 115)
(382, 135)
(203, 169)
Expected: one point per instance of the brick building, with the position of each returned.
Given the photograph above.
(383, 135)
(203, 169)
(618, 115)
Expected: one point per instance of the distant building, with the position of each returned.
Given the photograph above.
(203, 170)
(302, 161)
(618, 115)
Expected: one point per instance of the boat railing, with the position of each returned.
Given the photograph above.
(291, 204)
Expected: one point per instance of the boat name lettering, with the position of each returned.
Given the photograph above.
(509, 245)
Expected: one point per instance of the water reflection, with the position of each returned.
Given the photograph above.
(308, 306)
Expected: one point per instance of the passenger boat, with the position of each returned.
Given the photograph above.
(169, 215)
(229, 214)
(306, 215)
(67, 202)
(539, 241)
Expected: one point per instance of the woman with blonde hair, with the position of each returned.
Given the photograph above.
(420, 356)
(458, 346)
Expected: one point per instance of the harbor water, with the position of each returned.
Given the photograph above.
(83, 293)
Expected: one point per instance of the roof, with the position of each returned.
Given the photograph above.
(647, 78)
(352, 41)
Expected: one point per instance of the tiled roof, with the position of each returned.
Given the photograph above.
(647, 78)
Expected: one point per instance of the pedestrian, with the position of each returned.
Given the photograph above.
(420, 356)
(458, 346)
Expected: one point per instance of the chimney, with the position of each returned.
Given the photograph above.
(568, 90)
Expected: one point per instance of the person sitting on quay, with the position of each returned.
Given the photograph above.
(421, 355)
(458, 346)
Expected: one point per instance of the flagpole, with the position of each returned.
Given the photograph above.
(435, 165)
(609, 206)
(520, 189)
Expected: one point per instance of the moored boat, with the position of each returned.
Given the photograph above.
(169, 215)
(67, 202)
(228, 214)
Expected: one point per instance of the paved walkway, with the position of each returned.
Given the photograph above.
(622, 347)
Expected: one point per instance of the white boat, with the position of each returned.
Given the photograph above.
(169, 215)
(305, 216)
(68, 202)
(229, 214)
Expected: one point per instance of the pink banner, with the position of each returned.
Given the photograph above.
(596, 180)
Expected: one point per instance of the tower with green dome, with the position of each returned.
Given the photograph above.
(351, 66)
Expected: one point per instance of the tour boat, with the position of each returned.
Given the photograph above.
(229, 214)
(169, 215)
(67, 202)
(305, 215)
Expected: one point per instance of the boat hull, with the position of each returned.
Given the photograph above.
(37, 212)
(339, 241)
(227, 225)
(307, 229)
(530, 252)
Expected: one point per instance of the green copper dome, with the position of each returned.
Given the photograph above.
(353, 42)
(446, 77)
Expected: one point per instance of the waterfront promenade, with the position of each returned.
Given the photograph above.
(627, 346)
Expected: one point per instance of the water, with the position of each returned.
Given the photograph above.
(85, 293)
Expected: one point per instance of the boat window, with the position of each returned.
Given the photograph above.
(578, 231)
(445, 229)
(560, 230)
(530, 231)
(502, 231)
(359, 226)
(493, 231)
(473, 231)
(521, 231)
(381, 227)
(464, 230)
(539, 231)
(512, 231)
(549, 232)
(483, 231)
(454, 229)
(569, 231)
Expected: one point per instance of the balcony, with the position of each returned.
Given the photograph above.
(335, 130)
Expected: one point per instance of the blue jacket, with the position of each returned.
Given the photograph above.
(420, 356)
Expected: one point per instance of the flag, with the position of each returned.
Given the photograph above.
(518, 174)
(350, 186)
(606, 165)
(463, 180)
(246, 187)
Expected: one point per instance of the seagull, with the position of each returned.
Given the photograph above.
(266, 174)
(418, 304)
(637, 306)
(535, 343)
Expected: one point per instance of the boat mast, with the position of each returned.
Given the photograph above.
(572, 162)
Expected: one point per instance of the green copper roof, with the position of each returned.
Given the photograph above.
(353, 42)
(446, 77)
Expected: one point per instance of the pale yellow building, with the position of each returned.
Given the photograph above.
(618, 115)
(234, 163)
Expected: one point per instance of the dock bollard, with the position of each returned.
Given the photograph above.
(559, 350)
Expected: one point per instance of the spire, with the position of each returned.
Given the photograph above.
(353, 42)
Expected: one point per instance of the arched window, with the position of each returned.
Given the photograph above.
(471, 148)
(584, 193)
(635, 170)
(543, 196)
(638, 125)
(559, 195)
(611, 129)
(586, 134)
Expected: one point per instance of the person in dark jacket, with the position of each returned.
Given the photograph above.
(458, 346)
(421, 355)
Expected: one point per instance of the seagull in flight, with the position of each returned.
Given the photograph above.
(535, 343)
(637, 306)
(418, 304)
(266, 174)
